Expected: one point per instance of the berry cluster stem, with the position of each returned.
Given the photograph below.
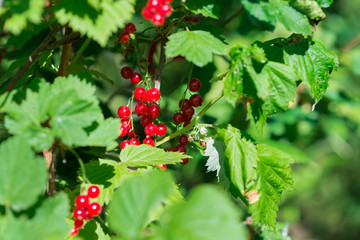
(192, 123)
(81, 163)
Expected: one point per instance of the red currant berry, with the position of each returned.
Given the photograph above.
(194, 85)
(161, 129)
(78, 223)
(141, 109)
(79, 214)
(87, 216)
(146, 13)
(140, 94)
(166, 10)
(134, 141)
(178, 118)
(74, 232)
(154, 110)
(184, 161)
(171, 150)
(154, 5)
(130, 28)
(184, 103)
(136, 78)
(94, 209)
(146, 120)
(124, 112)
(153, 95)
(188, 112)
(93, 191)
(162, 167)
(183, 140)
(166, 1)
(123, 131)
(180, 148)
(132, 133)
(123, 144)
(126, 123)
(126, 72)
(196, 100)
(82, 201)
(150, 130)
(158, 19)
(124, 37)
(148, 141)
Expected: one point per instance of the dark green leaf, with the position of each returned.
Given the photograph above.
(207, 8)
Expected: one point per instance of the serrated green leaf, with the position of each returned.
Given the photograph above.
(105, 134)
(310, 8)
(207, 8)
(134, 199)
(197, 47)
(278, 11)
(145, 155)
(92, 230)
(325, 3)
(18, 162)
(281, 232)
(274, 175)
(23, 12)
(240, 160)
(97, 23)
(207, 214)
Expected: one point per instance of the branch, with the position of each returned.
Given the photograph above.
(43, 46)
(161, 63)
(232, 17)
(350, 45)
(65, 55)
(191, 124)
(75, 36)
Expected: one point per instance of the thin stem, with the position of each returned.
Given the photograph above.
(65, 55)
(232, 17)
(192, 123)
(353, 43)
(82, 166)
(101, 155)
(80, 51)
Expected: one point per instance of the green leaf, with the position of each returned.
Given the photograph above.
(134, 199)
(105, 134)
(310, 8)
(274, 175)
(197, 47)
(325, 3)
(207, 8)
(92, 230)
(278, 11)
(240, 160)
(96, 19)
(207, 215)
(18, 163)
(22, 12)
(281, 232)
(145, 155)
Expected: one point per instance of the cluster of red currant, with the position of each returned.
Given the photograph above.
(157, 11)
(125, 36)
(85, 210)
(127, 73)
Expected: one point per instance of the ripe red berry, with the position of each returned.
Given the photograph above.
(93, 191)
(79, 214)
(123, 144)
(166, 10)
(184, 161)
(94, 209)
(141, 109)
(124, 37)
(178, 118)
(161, 129)
(150, 130)
(136, 78)
(124, 112)
(78, 223)
(82, 201)
(149, 141)
(153, 95)
(162, 167)
(74, 231)
(184, 103)
(146, 120)
(87, 215)
(186, 123)
(130, 28)
(196, 100)
(134, 141)
(132, 133)
(154, 110)
(146, 13)
(171, 150)
(154, 5)
(188, 112)
(180, 148)
(183, 140)
(126, 72)
(194, 85)
(126, 123)
(158, 19)
(123, 131)
(140, 94)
